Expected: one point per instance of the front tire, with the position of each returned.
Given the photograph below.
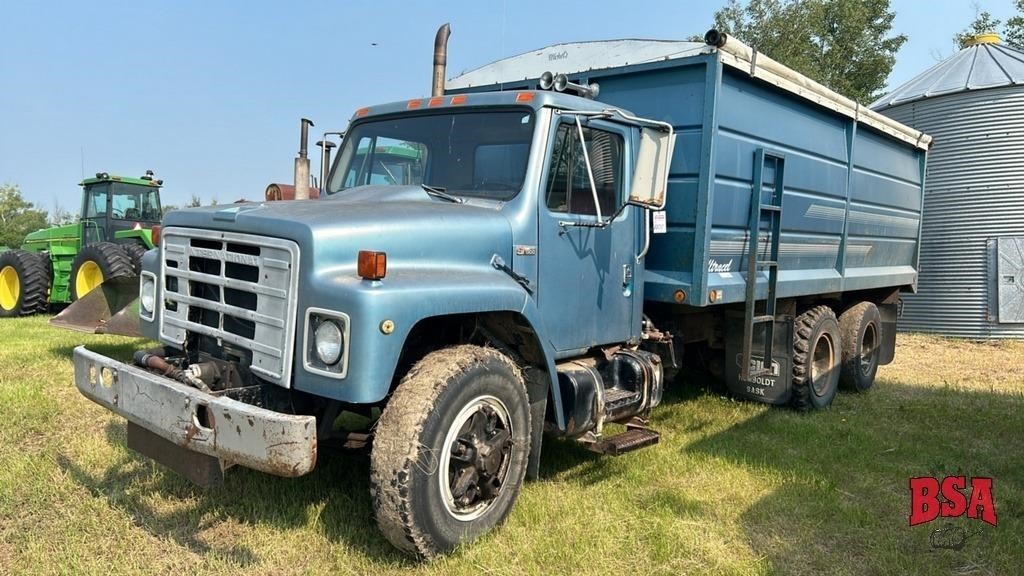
(24, 283)
(816, 358)
(450, 450)
(861, 331)
(96, 264)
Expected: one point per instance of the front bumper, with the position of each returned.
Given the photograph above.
(217, 426)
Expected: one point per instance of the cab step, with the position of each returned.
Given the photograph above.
(634, 438)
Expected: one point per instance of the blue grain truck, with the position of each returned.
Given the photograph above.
(535, 249)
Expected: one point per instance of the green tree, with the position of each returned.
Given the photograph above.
(1012, 32)
(847, 45)
(983, 23)
(18, 216)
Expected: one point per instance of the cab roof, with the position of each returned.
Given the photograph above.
(535, 99)
(104, 177)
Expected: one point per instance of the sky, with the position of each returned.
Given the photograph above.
(208, 94)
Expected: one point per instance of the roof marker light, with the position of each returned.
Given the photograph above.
(524, 97)
(362, 112)
(437, 101)
(460, 99)
(414, 104)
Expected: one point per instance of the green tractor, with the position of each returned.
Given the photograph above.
(120, 222)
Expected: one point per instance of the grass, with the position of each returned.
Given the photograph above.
(733, 487)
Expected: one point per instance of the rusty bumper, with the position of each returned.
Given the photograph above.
(233, 431)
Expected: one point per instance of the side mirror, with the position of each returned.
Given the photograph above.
(650, 178)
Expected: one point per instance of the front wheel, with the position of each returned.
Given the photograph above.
(450, 450)
(95, 264)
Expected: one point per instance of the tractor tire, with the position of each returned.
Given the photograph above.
(817, 354)
(95, 264)
(24, 283)
(450, 450)
(135, 253)
(861, 330)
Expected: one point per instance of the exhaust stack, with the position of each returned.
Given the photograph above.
(325, 159)
(440, 60)
(302, 162)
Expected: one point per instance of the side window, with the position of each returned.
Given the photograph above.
(96, 205)
(568, 186)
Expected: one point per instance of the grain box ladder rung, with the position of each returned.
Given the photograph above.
(758, 211)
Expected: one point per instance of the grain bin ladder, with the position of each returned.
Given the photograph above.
(773, 211)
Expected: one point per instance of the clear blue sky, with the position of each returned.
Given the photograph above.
(208, 93)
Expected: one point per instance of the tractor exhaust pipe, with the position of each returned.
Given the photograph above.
(302, 162)
(440, 60)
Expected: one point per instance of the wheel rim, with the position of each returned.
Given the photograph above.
(868, 349)
(89, 276)
(822, 363)
(475, 458)
(10, 288)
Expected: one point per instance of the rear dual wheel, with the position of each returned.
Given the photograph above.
(24, 283)
(828, 352)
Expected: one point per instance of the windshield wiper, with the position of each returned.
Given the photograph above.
(439, 192)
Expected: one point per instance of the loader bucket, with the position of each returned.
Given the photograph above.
(111, 308)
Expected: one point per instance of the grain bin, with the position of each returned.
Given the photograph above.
(971, 280)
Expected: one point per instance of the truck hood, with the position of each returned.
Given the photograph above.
(416, 230)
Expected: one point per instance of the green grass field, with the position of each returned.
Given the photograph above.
(733, 487)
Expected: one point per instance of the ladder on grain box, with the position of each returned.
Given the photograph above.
(759, 210)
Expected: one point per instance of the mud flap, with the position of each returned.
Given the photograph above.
(198, 468)
(111, 308)
(773, 388)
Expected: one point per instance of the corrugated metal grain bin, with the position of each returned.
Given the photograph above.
(971, 281)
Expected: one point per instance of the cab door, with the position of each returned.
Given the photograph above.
(586, 275)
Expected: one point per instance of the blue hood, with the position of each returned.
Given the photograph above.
(416, 230)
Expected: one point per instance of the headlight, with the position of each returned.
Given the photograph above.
(147, 294)
(328, 341)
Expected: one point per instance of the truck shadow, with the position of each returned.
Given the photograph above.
(200, 519)
(337, 489)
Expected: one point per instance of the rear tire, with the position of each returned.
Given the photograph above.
(96, 264)
(861, 330)
(450, 450)
(135, 253)
(816, 358)
(24, 283)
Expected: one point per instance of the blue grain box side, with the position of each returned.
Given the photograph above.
(852, 203)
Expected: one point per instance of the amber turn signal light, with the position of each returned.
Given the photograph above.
(154, 235)
(372, 265)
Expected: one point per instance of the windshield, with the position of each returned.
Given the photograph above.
(480, 154)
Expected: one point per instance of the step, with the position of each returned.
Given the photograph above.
(615, 396)
(631, 439)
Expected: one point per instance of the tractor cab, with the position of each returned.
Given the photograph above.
(113, 205)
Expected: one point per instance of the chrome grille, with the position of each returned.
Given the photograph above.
(237, 288)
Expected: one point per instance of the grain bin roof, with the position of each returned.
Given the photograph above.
(984, 64)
